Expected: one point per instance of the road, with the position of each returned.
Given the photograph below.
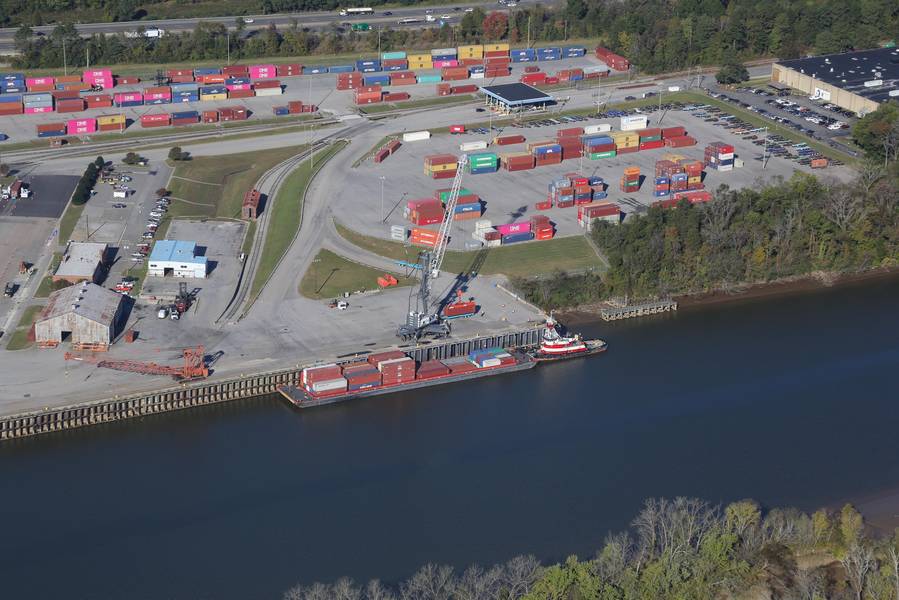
(312, 20)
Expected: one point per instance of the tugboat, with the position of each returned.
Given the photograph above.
(555, 346)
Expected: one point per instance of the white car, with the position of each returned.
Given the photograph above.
(162, 314)
(469, 9)
(249, 20)
(446, 17)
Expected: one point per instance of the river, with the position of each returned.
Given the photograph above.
(788, 400)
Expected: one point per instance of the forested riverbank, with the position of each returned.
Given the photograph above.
(681, 548)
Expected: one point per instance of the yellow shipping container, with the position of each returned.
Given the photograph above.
(205, 97)
(471, 51)
(673, 157)
(418, 58)
(694, 179)
(496, 47)
(437, 168)
(421, 66)
(111, 120)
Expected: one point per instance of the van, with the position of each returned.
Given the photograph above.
(163, 313)
(120, 194)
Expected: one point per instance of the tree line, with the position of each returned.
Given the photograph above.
(656, 35)
(681, 548)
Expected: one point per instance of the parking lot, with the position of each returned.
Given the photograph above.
(49, 196)
(511, 196)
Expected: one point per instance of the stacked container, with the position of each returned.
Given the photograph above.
(426, 211)
(12, 83)
(570, 75)
(561, 192)
(573, 51)
(263, 72)
(189, 117)
(423, 237)
(430, 369)
(651, 139)
(155, 120)
(517, 161)
(598, 146)
(719, 156)
(617, 62)
(523, 55)
(361, 376)
(98, 77)
(483, 162)
(111, 122)
(51, 130)
(605, 211)
(444, 89)
(185, 92)
(395, 64)
(662, 186)
(693, 169)
(81, 126)
(369, 65)
(549, 53)
(634, 122)
(158, 95)
(367, 94)
(349, 81)
(180, 75)
(128, 99)
(468, 206)
(264, 88)
(542, 227)
(10, 104)
(419, 62)
(440, 166)
(626, 142)
(402, 78)
(234, 113)
(289, 70)
(397, 370)
(453, 73)
(37, 103)
(211, 93)
(440, 57)
(70, 105)
(40, 84)
(546, 153)
(470, 52)
(630, 181)
(98, 101)
(324, 379)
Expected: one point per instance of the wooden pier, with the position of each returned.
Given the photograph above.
(190, 395)
(642, 309)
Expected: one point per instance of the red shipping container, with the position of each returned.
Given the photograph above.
(465, 89)
(548, 159)
(394, 62)
(41, 87)
(632, 149)
(289, 69)
(649, 132)
(570, 132)
(378, 357)
(11, 108)
(241, 94)
(178, 72)
(98, 100)
(551, 80)
(182, 79)
(324, 373)
(155, 120)
(496, 53)
(294, 107)
(187, 121)
(680, 141)
(395, 96)
(210, 116)
(509, 139)
(111, 127)
(68, 79)
(67, 106)
(443, 174)
(235, 70)
(652, 145)
(381, 154)
(471, 62)
(668, 132)
(268, 83)
(533, 77)
(66, 94)
(211, 78)
(125, 80)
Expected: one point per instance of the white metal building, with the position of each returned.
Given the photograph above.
(173, 258)
(86, 314)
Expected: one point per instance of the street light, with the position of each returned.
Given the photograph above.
(382, 178)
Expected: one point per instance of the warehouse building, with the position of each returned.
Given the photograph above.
(515, 97)
(173, 258)
(85, 314)
(857, 81)
(83, 261)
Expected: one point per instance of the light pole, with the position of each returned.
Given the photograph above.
(382, 178)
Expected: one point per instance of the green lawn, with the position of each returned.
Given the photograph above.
(214, 186)
(19, 338)
(331, 275)
(248, 237)
(46, 285)
(374, 109)
(68, 221)
(534, 258)
(284, 222)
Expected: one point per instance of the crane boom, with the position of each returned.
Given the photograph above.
(449, 210)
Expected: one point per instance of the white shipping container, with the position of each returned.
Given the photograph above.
(311, 369)
(673, 88)
(634, 122)
(738, 162)
(329, 385)
(493, 243)
(483, 225)
(272, 91)
(416, 136)
(402, 362)
(468, 146)
(727, 156)
(598, 128)
(596, 69)
(120, 194)
(443, 52)
(726, 168)
(476, 76)
(489, 362)
(398, 232)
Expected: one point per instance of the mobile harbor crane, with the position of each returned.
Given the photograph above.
(422, 320)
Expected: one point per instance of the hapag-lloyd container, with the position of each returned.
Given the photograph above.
(519, 227)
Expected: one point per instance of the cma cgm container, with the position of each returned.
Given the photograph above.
(81, 126)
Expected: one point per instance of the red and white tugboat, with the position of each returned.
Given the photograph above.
(555, 346)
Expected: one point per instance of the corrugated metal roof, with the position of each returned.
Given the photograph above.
(176, 251)
(851, 71)
(88, 300)
(81, 259)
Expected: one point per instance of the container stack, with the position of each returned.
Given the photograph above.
(546, 153)
(441, 166)
(187, 117)
(634, 122)
(81, 126)
(233, 113)
(719, 156)
(397, 370)
(98, 101)
(402, 78)
(496, 60)
(693, 169)
(263, 71)
(444, 89)
(37, 103)
(213, 93)
(573, 51)
(213, 75)
(327, 378)
(185, 92)
(537, 78)
(468, 207)
(368, 94)
(180, 76)
(430, 369)
(40, 84)
(617, 62)
(271, 87)
(599, 146)
(561, 192)
(10, 104)
(156, 120)
(349, 81)
(51, 130)
(517, 161)
(424, 237)
(454, 73)
(158, 95)
(651, 139)
(426, 211)
(361, 376)
(101, 78)
(570, 75)
(626, 142)
(470, 55)
(483, 162)
(554, 53)
(507, 140)
(444, 57)
(484, 232)
(418, 62)
(111, 122)
(12, 83)
(368, 65)
(605, 211)
(513, 233)
(523, 55)
(630, 181)
(542, 227)
(289, 70)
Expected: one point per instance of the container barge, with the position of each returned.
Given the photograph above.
(394, 371)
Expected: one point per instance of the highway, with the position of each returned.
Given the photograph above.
(312, 20)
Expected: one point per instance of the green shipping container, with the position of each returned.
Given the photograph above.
(429, 79)
(393, 55)
(462, 192)
(598, 155)
(652, 138)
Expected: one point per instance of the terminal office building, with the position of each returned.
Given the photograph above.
(857, 81)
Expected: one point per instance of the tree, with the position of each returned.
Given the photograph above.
(851, 526)
(132, 159)
(858, 562)
(495, 26)
(740, 516)
(431, 582)
(873, 132)
(162, 192)
(4, 169)
(100, 162)
(892, 560)
(732, 72)
(177, 153)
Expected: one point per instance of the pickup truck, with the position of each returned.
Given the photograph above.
(10, 289)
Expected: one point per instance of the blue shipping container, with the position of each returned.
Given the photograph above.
(207, 71)
(237, 80)
(444, 57)
(477, 69)
(659, 194)
(512, 238)
(213, 89)
(662, 181)
(548, 149)
(367, 63)
(186, 98)
(158, 101)
(523, 52)
(466, 208)
(595, 180)
(10, 98)
(179, 87)
(187, 114)
(600, 195)
(480, 170)
(370, 69)
(550, 57)
(314, 70)
(130, 103)
(523, 59)
(549, 50)
(596, 140)
(339, 69)
(12, 76)
(44, 134)
(395, 68)
(281, 110)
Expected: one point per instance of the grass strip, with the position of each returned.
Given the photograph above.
(19, 338)
(330, 275)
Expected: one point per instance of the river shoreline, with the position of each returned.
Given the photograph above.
(813, 283)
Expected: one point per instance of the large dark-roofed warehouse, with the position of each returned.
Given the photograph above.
(856, 81)
(515, 97)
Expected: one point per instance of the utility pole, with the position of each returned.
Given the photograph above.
(379, 42)
(228, 45)
(529, 31)
(65, 67)
(382, 178)
(87, 51)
